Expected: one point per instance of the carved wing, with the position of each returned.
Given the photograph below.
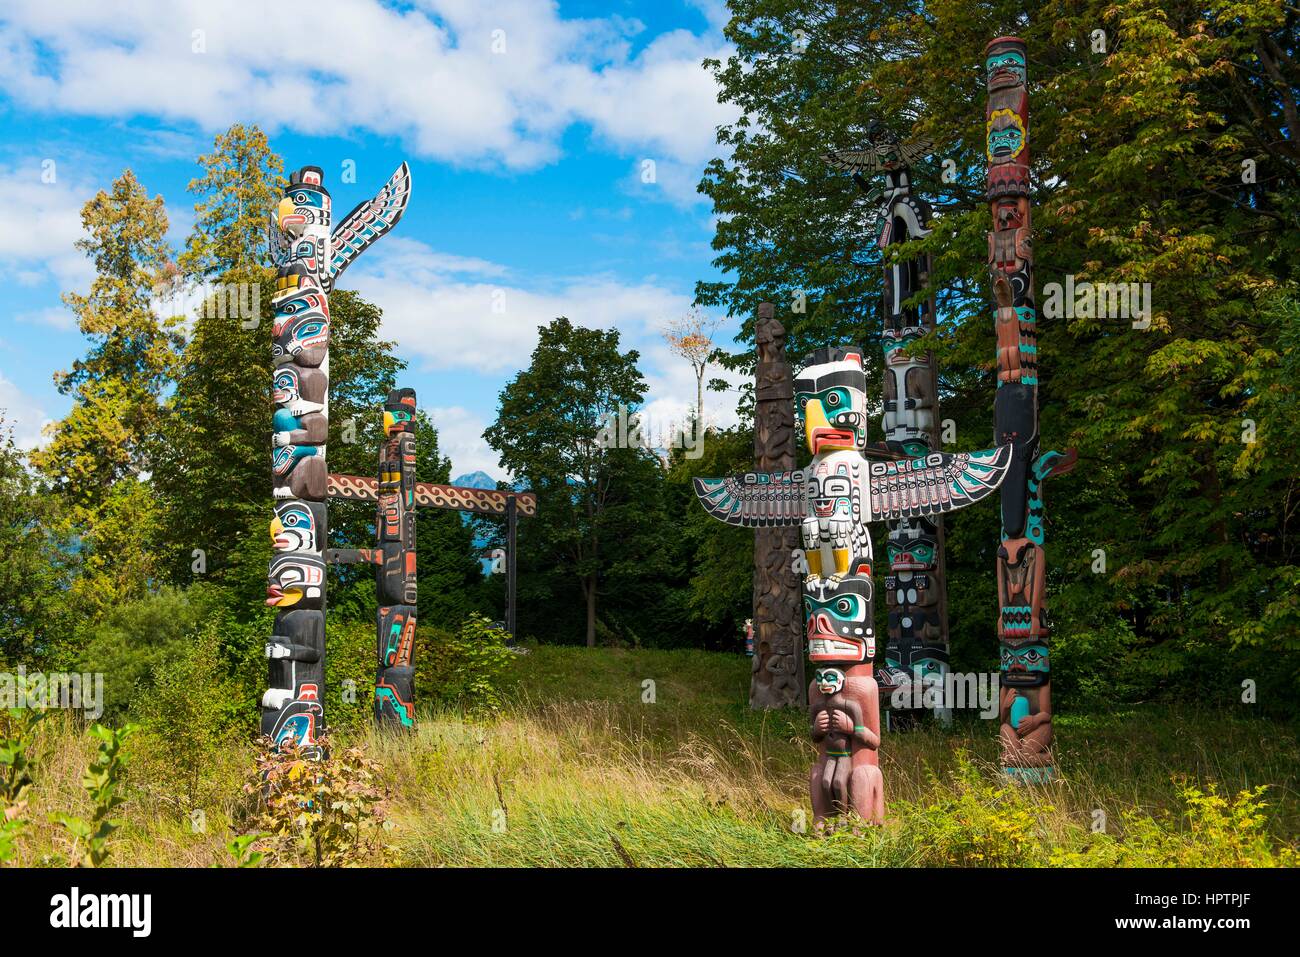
(869, 160)
(277, 243)
(936, 483)
(755, 499)
(370, 220)
(913, 151)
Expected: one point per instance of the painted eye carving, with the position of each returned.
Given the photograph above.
(300, 199)
(833, 399)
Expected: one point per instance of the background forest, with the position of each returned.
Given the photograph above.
(134, 542)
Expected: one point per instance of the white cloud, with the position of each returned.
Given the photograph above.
(454, 312)
(24, 414)
(457, 80)
(39, 223)
(439, 309)
(460, 438)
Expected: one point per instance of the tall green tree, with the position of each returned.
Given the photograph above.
(34, 568)
(547, 434)
(112, 430)
(242, 181)
(102, 454)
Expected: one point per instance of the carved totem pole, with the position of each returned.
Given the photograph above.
(1023, 626)
(778, 673)
(311, 257)
(833, 500)
(916, 646)
(394, 559)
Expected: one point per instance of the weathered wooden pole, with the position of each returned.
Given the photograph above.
(512, 597)
(1023, 628)
(777, 676)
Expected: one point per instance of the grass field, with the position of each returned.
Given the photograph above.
(578, 769)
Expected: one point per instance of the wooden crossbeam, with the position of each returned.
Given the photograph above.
(360, 488)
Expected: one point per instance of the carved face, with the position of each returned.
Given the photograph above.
(295, 527)
(296, 579)
(1006, 135)
(1005, 64)
(305, 203)
(299, 390)
(830, 399)
(912, 545)
(302, 324)
(929, 664)
(829, 680)
(1026, 666)
(838, 617)
(830, 491)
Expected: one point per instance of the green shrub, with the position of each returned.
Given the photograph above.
(317, 813)
(189, 716)
(468, 669)
(103, 783)
(1212, 831)
(975, 824)
(137, 637)
(17, 729)
(350, 674)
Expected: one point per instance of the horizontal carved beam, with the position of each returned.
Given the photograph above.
(359, 488)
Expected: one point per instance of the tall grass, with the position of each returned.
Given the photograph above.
(580, 769)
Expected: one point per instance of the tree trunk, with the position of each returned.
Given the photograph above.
(590, 589)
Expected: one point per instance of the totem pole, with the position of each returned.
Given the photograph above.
(833, 501)
(916, 646)
(310, 258)
(777, 679)
(1023, 628)
(395, 563)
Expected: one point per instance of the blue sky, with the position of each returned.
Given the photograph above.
(527, 125)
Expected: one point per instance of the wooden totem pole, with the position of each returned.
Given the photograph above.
(833, 501)
(1025, 713)
(916, 647)
(311, 256)
(777, 679)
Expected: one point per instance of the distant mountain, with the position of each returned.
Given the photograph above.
(475, 480)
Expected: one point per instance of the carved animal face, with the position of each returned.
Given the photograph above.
(1006, 135)
(298, 390)
(838, 617)
(830, 398)
(912, 545)
(295, 527)
(305, 204)
(296, 579)
(1026, 666)
(302, 325)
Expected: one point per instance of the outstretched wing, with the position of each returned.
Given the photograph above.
(755, 499)
(936, 483)
(370, 220)
(913, 151)
(872, 159)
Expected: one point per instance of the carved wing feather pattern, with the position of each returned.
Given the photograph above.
(370, 220)
(755, 499)
(936, 483)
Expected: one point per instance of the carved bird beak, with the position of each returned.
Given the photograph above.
(286, 216)
(819, 432)
(276, 528)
